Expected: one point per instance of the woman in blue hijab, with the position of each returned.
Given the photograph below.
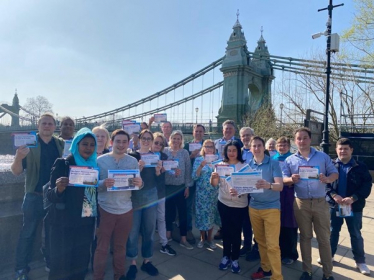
(73, 211)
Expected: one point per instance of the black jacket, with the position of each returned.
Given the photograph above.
(66, 208)
(359, 184)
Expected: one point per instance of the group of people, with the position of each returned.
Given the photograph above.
(83, 223)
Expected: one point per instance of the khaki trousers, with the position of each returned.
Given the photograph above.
(314, 214)
(266, 228)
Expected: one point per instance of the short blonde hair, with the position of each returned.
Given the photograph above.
(159, 134)
(102, 128)
(177, 132)
(202, 152)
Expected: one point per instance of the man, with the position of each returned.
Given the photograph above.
(198, 134)
(38, 162)
(310, 206)
(264, 210)
(228, 131)
(250, 252)
(351, 189)
(167, 128)
(288, 232)
(116, 214)
(67, 128)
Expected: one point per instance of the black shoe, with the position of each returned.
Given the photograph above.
(306, 276)
(149, 268)
(218, 235)
(167, 250)
(131, 273)
(243, 251)
(253, 255)
(327, 278)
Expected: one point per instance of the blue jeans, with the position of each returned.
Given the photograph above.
(354, 225)
(33, 214)
(144, 221)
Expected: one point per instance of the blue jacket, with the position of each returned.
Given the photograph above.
(359, 184)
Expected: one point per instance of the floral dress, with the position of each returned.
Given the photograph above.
(206, 197)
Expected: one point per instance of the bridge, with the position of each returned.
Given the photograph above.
(247, 82)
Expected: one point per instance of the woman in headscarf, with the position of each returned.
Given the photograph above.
(73, 211)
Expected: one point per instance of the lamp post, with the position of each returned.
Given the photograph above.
(196, 110)
(281, 106)
(325, 137)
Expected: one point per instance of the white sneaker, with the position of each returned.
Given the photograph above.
(363, 268)
(212, 245)
(320, 262)
(200, 244)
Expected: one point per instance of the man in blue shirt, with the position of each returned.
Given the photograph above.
(228, 131)
(351, 189)
(310, 206)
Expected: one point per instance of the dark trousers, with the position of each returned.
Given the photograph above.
(354, 225)
(175, 202)
(33, 214)
(70, 251)
(190, 201)
(247, 231)
(232, 221)
(288, 243)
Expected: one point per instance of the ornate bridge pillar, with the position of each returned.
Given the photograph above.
(247, 80)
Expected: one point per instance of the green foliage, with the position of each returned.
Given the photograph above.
(361, 34)
(265, 124)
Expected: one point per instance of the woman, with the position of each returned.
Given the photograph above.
(103, 138)
(145, 210)
(177, 184)
(158, 147)
(264, 211)
(73, 212)
(289, 228)
(231, 207)
(206, 195)
(270, 146)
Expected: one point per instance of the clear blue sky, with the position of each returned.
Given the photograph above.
(90, 56)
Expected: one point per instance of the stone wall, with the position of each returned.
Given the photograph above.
(11, 196)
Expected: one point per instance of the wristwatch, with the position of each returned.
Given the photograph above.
(271, 186)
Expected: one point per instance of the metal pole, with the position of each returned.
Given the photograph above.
(325, 136)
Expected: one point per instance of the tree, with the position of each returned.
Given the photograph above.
(361, 34)
(265, 124)
(36, 106)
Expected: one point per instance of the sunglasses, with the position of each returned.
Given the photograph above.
(158, 143)
(146, 139)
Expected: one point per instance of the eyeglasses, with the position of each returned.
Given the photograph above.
(146, 139)
(157, 143)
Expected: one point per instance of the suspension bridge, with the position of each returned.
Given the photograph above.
(244, 82)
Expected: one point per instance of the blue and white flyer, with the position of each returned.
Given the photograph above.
(245, 182)
(83, 176)
(309, 172)
(21, 139)
(123, 180)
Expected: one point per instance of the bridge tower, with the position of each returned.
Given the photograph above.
(12, 110)
(247, 80)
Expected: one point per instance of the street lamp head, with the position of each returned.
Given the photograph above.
(196, 109)
(319, 34)
(281, 106)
